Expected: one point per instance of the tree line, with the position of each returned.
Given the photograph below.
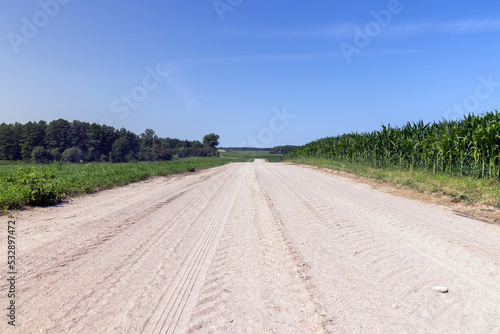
(281, 149)
(77, 141)
(243, 149)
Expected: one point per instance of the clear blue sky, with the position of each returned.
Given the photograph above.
(231, 66)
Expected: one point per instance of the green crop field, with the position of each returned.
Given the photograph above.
(47, 184)
(469, 146)
(460, 159)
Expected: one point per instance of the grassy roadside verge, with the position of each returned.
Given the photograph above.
(48, 184)
(464, 189)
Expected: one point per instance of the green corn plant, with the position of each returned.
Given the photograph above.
(469, 146)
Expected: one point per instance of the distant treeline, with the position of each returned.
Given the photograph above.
(281, 149)
(81, 141)
(274, 150)
(229, 149)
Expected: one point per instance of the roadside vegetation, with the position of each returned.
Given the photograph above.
(47, 184)
(459, 158)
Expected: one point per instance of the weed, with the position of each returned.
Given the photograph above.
(40, 188)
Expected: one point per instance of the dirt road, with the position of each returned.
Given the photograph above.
(252, 248)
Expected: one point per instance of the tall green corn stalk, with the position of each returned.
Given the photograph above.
(468, 146)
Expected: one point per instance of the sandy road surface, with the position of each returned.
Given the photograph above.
(252, 248)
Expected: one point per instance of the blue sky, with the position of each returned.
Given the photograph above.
(258, 73)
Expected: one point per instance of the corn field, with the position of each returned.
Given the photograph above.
(468, 146)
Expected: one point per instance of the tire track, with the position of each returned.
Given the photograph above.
(175, 298)
(63, 256)
(130, 264)
(376, 244)
(182, 225)
(272, 288)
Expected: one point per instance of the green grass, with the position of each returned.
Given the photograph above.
(48, 184)
(466, 189)
(249, 156)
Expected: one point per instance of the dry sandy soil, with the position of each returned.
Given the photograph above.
(252, 248)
